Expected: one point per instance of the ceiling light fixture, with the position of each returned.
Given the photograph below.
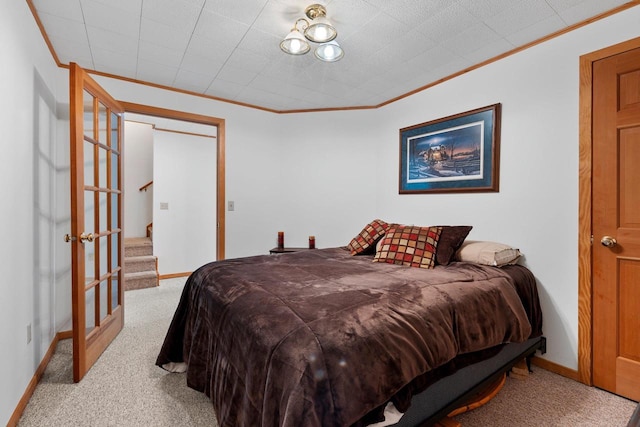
(320, 30)
(317, 29)
(294, 43)
(329, 52)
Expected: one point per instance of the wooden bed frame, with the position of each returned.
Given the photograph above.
(432, 406)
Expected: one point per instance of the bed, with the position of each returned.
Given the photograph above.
(326, 338)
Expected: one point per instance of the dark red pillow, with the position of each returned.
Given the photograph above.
(365, 241)
(451, 239)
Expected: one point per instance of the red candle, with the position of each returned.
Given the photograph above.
(312, 242)
(280, 239)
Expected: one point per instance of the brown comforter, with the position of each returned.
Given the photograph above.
(320, 338)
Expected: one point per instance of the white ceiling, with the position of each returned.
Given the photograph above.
(229, 49)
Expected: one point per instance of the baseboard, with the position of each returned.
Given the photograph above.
(31, 387)
(555, 368)
(174, 275)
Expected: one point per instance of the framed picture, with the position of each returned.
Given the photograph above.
(459, 153)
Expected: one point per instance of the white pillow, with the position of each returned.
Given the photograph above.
(488, 253)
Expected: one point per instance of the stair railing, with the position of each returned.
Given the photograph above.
(146, 186)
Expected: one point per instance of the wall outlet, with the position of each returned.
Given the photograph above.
(231, 206)
(28, 333)
(164, 206)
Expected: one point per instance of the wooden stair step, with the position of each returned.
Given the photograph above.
(140, 280)
(137, 264)
(138, 246)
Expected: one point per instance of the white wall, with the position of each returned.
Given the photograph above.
(138, 171)
(32, 252)
(184, 234)
(323, 173)
(327, 168)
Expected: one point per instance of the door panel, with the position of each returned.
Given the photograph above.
(616, 213)
(630, 177)
(629, 309)
(96, 212)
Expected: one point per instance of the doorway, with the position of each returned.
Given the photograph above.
(163, 113)
(610, 257)
(170, 192)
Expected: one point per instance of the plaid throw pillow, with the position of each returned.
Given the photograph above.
(409, 245)
(365, 242)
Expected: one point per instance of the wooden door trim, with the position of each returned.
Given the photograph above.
(77, 219)
(220, 157)
(585, 165)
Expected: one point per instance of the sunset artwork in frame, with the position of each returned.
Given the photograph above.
(459, 153)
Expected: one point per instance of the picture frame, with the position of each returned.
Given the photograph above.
(459, 153)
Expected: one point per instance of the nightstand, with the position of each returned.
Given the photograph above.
(277, 250)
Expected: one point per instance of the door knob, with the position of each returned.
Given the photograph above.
(86, 237)
(608, 241)
(83, 238)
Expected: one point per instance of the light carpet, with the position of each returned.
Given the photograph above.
(125, 388)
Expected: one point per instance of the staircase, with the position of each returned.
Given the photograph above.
(140, 266)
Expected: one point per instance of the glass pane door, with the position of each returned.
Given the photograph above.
(96, 205)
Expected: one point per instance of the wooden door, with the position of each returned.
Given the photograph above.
(96, 220)
(616, 224)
